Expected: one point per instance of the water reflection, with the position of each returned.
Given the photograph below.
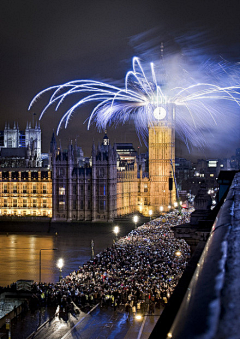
(20, 253)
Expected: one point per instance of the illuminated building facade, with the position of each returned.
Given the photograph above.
(115, 182)
(162, 160)
(84, 192)
(25, 192)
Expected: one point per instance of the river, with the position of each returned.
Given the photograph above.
(20, 251)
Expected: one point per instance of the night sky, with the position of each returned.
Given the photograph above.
(49, 42)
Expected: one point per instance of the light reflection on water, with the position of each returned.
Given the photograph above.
(20, 253)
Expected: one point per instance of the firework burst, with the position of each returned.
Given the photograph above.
(200, 105)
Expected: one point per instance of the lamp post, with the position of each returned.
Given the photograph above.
(116, 230)
(135, 220)
(40, 259)
(150, 213)
(60, 266)
(92, 249)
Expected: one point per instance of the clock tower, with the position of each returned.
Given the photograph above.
(161, 146)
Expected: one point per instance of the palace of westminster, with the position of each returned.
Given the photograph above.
(115, 181)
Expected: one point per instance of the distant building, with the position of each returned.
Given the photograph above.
(19, 149)
(81, 191)
(25, 187)
(25, 192)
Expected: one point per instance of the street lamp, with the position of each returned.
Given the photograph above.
(135, 220)
(116, 230)
(60, 266)
(40, 259)
(161, 209)
(150, 213)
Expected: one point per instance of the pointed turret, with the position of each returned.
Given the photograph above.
(105, 139)
(53, 143)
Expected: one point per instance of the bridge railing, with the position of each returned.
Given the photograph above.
(205, 302)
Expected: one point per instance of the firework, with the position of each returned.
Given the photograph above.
(143, 99)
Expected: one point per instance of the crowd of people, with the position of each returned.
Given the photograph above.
(139, 271)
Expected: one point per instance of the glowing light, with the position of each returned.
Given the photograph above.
(135, 218)
(161, 208)
(138, 317)
(198, 100)
(178, 253)
(60, 263)
(116, 230)
(159, 113)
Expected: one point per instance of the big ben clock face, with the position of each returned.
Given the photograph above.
(159, 113)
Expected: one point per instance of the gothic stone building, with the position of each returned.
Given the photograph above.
(20, 148)
(25, 187)
(84, 192)
(102, 189)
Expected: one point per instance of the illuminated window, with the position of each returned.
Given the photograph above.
(34, 189)
(61, 190)
(61, 205)
(5, 203)
(5, 188)
(44, 203)
(14, 188)
(212, 163)
(24, 188)
(145, 188)
(24, 202)
(14, 202)
(211, 175)
(34, 202)
(44, 189)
